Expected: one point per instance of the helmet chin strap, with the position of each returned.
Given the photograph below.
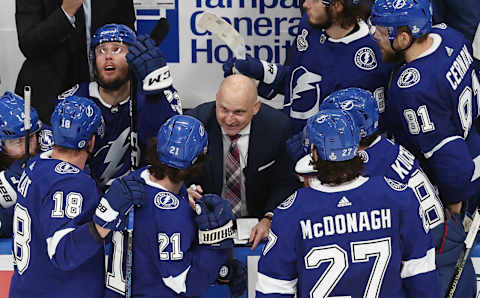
(402, 50)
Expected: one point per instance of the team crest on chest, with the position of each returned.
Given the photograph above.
(302, 43)
(66, 168)
(165, 200)
(365, 59)
(409, 77)
(288, 202)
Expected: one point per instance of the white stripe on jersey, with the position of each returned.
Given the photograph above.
(177, 283)
(440, 145)
(52, 242)
(269, 285)
(418, 266)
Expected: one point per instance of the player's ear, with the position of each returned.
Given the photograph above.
(403, 39)
(91, 143)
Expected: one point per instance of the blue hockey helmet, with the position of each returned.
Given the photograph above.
(360, 103)
(111, 33)
(180, 140)
(396, 13)
(12, 116)
(334, 134)
(74, 121)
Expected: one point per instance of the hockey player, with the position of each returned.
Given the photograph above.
(117, 53)
(345, 234)
(168, 261)
(381, 157)
(56, 247)
(333, 51)
(433, 100)
(12, 153)
(436, 125)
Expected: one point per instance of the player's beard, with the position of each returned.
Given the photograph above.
(393, 57)
(114, 84)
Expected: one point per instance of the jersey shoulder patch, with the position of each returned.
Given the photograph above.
(408, 78)
(66, 168)
(166, 200)
(288, 202)
(395, 185)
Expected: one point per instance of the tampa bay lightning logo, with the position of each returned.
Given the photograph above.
(302, 43)
(394, 184)
(363, 156)
(399, 4)
(409, 77)
(288, 202)
(165, 200)
(347, 105)
(66, 168)
(46, 140)
(365, 59)
(304, 93)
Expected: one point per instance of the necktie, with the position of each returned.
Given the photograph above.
(232, 189)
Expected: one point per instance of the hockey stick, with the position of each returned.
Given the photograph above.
(223, 30)
(27, 92)
(158, 33)
(464, 255)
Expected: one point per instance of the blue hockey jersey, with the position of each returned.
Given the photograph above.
(432, 104)
(167, 260)
(111, 156)
(364, 238)
(321, 65)
(385, 158)
(55, 254)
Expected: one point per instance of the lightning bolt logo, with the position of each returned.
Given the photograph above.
(116, 151)
(305, 82)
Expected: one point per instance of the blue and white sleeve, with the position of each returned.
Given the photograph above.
(418, 272)
(277, 271)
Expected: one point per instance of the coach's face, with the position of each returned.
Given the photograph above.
(111, 64)
(236, 103)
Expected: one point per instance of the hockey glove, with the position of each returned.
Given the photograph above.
(297, 146)
(215, 221)
(112, 211)
(8, 184)
(272, 74)
(234, 274)
(149, 65)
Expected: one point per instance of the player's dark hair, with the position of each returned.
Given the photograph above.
(367, 141)
(338, 172)
(352, 13)
(160, 170)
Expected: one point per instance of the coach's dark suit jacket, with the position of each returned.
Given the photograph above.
(269, 171)
(55, 50)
